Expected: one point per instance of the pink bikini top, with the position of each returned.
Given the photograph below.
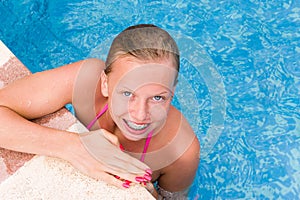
(148, 139)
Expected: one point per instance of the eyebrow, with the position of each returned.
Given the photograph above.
(163, 93)
(122, 87)
(131, 90)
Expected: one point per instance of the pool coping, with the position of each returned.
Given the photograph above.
(11, 69)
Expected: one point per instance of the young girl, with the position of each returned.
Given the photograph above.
(136, 136)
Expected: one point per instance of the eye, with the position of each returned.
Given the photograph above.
(158, 98)
(127, 94)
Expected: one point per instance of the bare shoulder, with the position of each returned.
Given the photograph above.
(182, 123)
(180, 174)
(43, 92)
(87, 95)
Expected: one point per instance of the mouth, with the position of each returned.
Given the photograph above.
(135, 126)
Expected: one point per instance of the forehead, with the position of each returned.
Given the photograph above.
(134, 74)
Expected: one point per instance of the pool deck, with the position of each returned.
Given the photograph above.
(11, 162)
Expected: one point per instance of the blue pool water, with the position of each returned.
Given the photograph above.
(239, 84)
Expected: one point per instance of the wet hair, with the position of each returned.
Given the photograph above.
(145, 42)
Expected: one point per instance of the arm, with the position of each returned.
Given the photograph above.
(40, 94)
(176, 178)
(32, 97)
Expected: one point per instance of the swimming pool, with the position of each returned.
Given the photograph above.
(239, 84)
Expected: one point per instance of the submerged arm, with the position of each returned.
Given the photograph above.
(177, 178)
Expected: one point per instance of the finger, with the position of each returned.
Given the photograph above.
(144, 176)
(111, 137)
(110, 156)
(123, 175)
(110, 179)
(131, 164)
(135, 179)
(114, 140)
(127, 167)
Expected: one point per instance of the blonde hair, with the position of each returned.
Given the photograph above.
(145, 42)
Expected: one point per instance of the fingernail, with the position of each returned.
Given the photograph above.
(117, 177)
(126, 185)
(139, 179)
(128, 182)
(121, 147)
(147, 177)
(149, 171)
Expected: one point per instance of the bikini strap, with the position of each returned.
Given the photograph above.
(104, 109)
(148, 139)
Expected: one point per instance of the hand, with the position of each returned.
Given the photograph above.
(98, 155)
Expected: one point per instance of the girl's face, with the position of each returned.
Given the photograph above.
(139, 95)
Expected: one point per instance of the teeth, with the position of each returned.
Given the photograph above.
(136, 126)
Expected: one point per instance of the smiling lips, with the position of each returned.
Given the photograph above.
(135, 126)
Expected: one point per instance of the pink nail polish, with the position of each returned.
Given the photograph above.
(126, 185)
(139, 179)
(149, 171)
(147, 177)
(121, 147)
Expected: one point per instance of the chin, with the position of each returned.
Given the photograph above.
(132, 138)
(131, 135)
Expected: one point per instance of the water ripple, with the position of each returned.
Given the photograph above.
(252, 50)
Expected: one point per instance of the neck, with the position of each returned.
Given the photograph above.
(129, 145)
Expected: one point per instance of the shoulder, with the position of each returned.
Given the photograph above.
(89, 70)
(72, 70)
(94, 62)
(82, 74)
(36, 88)
(180, 174)
(91, 64)
(185, 136)
(86, 89)
(177, 123)
(184, 128)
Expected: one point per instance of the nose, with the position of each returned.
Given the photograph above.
(138, 110)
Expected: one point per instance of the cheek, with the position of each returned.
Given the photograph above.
(118, 104)
(159, 112)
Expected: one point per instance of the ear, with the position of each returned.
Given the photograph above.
(173, 92)
(174, 86)
(104, 85)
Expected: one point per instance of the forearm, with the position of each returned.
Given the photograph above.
(164, 194)
(19, 134)
(161, 194)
